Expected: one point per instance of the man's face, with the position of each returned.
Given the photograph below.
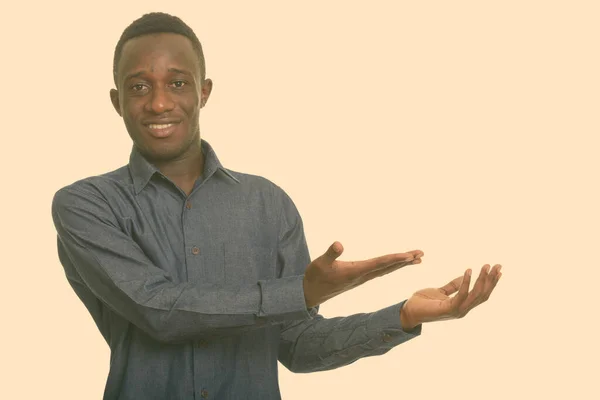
(159, 95)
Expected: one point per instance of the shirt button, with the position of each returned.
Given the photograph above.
(201, 343)
(387, 338)
(195, 250)
(188, 205)
(204, 394)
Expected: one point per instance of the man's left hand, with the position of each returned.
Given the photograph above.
(435, 304)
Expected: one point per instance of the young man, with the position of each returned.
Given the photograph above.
(199, 277)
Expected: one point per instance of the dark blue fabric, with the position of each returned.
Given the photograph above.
(199, 296)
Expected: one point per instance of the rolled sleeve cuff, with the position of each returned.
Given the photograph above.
(283, 299)
(384, 325)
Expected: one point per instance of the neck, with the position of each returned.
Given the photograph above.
(186, 169)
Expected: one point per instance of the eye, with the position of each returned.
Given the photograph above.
(138, 87)
(179, 84)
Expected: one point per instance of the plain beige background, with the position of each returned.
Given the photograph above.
(468, 130)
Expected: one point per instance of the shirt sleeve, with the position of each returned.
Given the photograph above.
(318, 343)
(116, 270)
(322, 344)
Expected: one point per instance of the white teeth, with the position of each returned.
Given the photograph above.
(161, 126)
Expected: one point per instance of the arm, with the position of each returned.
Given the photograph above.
(323, 344)
(320, 343)
(327, 343)
(121, 276)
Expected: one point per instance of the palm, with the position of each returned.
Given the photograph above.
(427, 296)
(327, 277)
(436, 304)
(431, 304)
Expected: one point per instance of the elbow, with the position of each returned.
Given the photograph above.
(160, 330)
(290, 366)
(299, 370)
(162, 336)
(296, 367)
(303, 369)
(156, 332)
(166, 336)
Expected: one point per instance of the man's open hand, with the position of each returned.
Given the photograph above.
(435, 304)
(326, 277)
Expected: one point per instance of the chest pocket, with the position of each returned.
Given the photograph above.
(246, 263)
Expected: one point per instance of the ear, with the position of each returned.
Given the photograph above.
(207, 86)
(114, 98)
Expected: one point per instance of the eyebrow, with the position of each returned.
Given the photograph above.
(175, 70)
(133, 75)
(180, 71)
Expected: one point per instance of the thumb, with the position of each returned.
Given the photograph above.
(333, 252)
(452, 286)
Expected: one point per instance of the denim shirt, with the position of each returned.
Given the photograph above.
(200, 296)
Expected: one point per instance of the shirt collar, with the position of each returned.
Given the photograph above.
(142, 170)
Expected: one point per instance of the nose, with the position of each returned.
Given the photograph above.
(160, 101)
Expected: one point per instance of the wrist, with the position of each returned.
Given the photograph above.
(406, 321)
(309, 297)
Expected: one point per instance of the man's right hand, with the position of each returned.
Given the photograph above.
(326, 277)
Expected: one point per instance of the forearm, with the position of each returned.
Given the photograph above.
(172, 312)
(324, 344)
(118, 273)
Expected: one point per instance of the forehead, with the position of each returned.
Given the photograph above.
(154, 51)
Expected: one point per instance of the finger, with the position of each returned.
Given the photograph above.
(463, 291)
(333, 252)
(360, 268)
(485, 285)
(416, 253)
(476, 296)
(385, 271)
(452, 287)
(492, 281)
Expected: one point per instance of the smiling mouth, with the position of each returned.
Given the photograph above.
(159, 126)
(162, 130)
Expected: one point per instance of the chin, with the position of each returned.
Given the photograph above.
(163, 152)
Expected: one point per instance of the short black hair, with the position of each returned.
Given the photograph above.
(158, 22)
